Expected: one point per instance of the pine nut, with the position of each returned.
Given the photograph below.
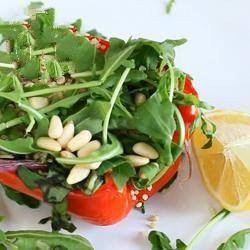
(37, 102)
(67, 135)
(88, 148)
(67, 154)
(93, 165)
(137, 160)
(144, 149)
(49, 144)
(140, 99)
(55, 127)
(79, 140)
(78, 173)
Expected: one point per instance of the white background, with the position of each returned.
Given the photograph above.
(217, 55)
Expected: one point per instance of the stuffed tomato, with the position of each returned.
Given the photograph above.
(91, 126)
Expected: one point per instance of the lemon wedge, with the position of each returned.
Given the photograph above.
(225, 167)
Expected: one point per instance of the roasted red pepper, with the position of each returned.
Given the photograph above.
(108, 205)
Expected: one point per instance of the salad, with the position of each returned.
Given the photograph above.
(92, 126)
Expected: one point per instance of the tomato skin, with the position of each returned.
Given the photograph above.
(106, 206)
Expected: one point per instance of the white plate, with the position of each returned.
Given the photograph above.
(217, 56)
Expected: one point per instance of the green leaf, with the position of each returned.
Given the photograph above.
(42, 29)
(31, 68)
(181, 98)
(158, 119)
(60, 218)
(169, 6)
(110, 164)
(116, 56)
(90, 117)
(29, 178)
(30, 239)
(21, 199)
(158, 123)
(77, 24)
(160, 241)
(237, 241)
(71, 47)
(18, 146)
(106, 152)
(122, 173)
(121, 168)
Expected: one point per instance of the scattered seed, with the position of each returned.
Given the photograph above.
(139, 204)
(88, 148)
(153, 218)
(79, 140)
(149, 188)
(49, 144)
(67, 135)
(78, 173)
(144, 197)
(134, 198)
(140, 99)
(146, 150)
(38, 102)
(132, 192)
(152, 225)
(137, 160)
(136, 192)
(55, 127)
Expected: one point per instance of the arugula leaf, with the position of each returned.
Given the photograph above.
(116, 56)
(121, 168)
(60, 219)
(37, 239)
(181, 98)
(18, 146)
(71, 47)
(237, 241)
(30, 178)
(20, 198)
(158, 123)
(160, 241)
(90, 117)
(169, 6)
(42, 29)
(209, 129)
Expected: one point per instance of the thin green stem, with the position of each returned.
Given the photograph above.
(31, 111)
(12, 123)
(86, 74)
(219, 216)
(56, 105)
(43, 51)
(112, 103)
(172, 81)
(31, 124)
(44, 110)
(8, 65)
(181, 127)
(61, 88)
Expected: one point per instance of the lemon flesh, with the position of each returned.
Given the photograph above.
(225, 167)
